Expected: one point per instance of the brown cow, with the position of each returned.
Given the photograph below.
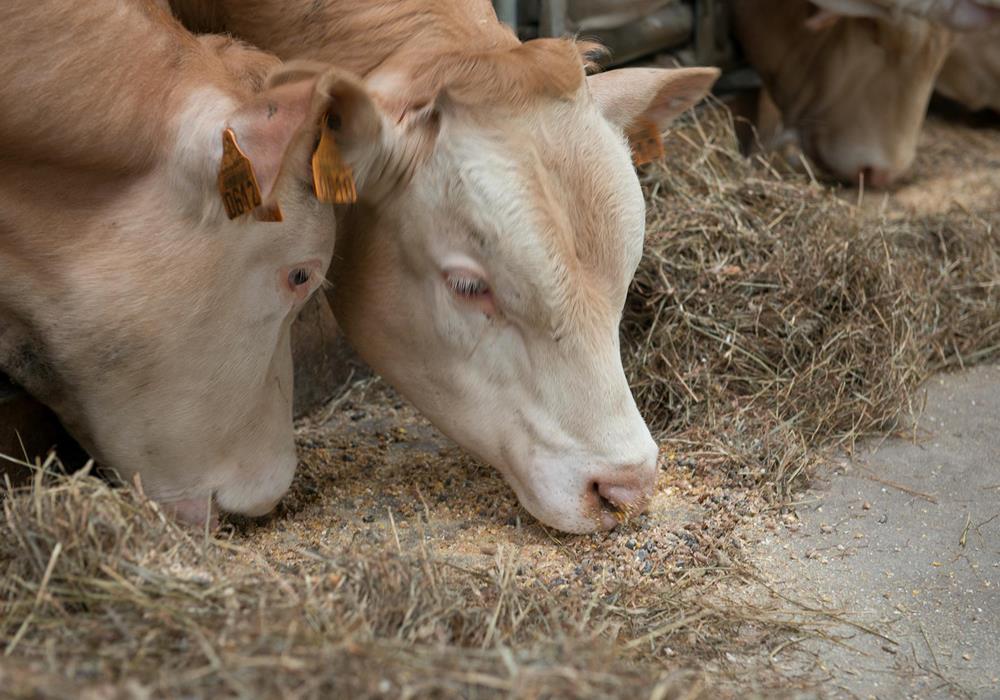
(854, 89)
(154, 326)
(487, 282)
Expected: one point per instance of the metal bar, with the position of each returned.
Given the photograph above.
(506, 12)
(666, 29)
(552, 21)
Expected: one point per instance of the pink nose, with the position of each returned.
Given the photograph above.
(620, 497)
(877, 178)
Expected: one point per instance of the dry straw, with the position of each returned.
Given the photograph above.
(768, 321)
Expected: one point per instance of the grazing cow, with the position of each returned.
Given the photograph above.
(156, 327)
(971, 73)
(854, 88)
(484, 276)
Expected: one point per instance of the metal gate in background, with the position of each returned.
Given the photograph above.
(696, 31)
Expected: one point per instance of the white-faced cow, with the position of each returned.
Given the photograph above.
(484, 275)
(157, 328)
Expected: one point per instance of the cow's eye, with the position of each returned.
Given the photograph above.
(467, 287)
(298, 277)
(471, 289)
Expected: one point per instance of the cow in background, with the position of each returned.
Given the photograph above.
(855, 90)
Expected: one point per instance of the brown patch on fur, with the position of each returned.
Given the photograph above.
(248, 66)
(356, 35)
(425, 41)
(102, 108)
(540, 68)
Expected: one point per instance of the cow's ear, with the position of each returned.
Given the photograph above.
(628, 96)
(279, 129)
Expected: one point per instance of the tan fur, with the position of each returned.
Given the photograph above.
(971, 74)
(119, 78)
(358, 35)
(855, 89)
(455, 45)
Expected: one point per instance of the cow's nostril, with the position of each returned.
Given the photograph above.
(621, 500)
(603, 501)
(876, 178)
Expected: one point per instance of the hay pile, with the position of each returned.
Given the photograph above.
(769, 321)
(100, 587)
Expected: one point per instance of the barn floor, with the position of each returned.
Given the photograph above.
(398, 566)
(899, 542)
(904, 536)
(903, 539)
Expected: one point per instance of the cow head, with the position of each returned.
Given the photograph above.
(485, 277)
(157, 328)
(854, 88)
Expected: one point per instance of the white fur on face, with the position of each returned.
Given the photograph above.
(188, 380)
(549, 207)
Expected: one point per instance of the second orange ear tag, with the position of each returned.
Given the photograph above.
(646, 141)
(332, 177)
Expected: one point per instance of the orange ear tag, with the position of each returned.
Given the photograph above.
(332, 177)
(646, 142)
(237, 181)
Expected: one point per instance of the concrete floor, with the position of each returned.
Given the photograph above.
(904, 540)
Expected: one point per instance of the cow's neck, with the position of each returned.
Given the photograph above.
(358, 35)
(101, 109)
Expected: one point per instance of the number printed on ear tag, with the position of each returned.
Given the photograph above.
(646, 142)
(332, 177)
(237, 181)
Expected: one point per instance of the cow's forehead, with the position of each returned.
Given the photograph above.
(554, 194)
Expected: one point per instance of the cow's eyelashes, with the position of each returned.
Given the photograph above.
(469, 287)
(298, 277)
